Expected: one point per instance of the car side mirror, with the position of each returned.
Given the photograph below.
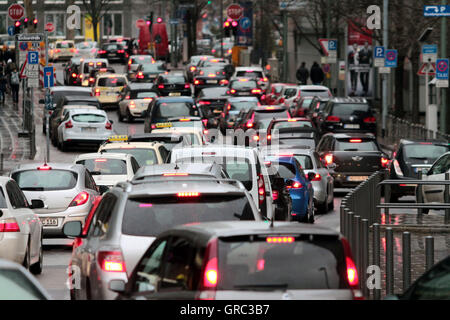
(37, 204)
(117, 286)
(72, 229)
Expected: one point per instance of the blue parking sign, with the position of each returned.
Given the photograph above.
(48, 77)
(332, 45)
(33, 57)
(442, 69)
(378, 52)
(391, 59)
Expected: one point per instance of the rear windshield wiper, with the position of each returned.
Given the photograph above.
(351, 150)
(267, 285)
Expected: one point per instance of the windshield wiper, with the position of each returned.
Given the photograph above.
(266, 285)
(33, 188)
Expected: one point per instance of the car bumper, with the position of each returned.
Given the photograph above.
(344, 179)
(70, 214)
(326, 129)
(173, 93)
(299, 206)
(13, 246)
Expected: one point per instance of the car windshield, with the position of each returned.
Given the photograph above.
(143, 95)
(237, 168)
(307, 142)
(45, 180)
(144, 157)
(153, 67)
(292, 124)
(148, 217)
(110, 47)
(16, 286)
(102, 166)
(317, 93)
(424, 151)
(89, 117)
(174, 109)
(249, 74)
(111, 82)
(145, 60)
(344, 109)
(242, 105)
(173, 80)
(244, 85)
(259, 264)
(346, 145)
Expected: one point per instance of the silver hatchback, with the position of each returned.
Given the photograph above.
(67, 191)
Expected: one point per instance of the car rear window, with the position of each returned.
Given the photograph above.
(244, 85)
(46, 180)
(259, 264)
(307, 142)
(61, 94)
(286, 170)
(142, 60)
(249, 74)
(112, 47)
(64, 45)
(149, 217)
(153, 67)
(317, 93)
(174, 109)
(242, 105)
(111, 82)
(102, 166)
(424, 151)
(3, 203)
(347, 109)
(305, 161)
(346, 145)
(143, 95)
(173, 80)
(292, 124)
(91, 65)
(85, 45)
(88, 117)
(264, 117)
(144, 157)
(88, 103)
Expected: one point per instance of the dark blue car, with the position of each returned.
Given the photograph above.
(298, 184)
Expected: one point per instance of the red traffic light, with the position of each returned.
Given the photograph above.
(159, 20)
(148, 22)
(226, 24)
(234, 23)
(17, 24)
(25, 20)
(35, 21)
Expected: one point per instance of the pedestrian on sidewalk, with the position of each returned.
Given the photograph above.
(15, 86)
(302, 74)
(10, 66)
(317, 75)
(2, 86)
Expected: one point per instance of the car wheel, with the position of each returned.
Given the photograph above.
(331, 205)
(37, 267)
(311, 217)
(130, 118)
(26, 259)
(324, 207)
(63, 146)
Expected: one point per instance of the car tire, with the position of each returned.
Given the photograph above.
(331, 205)
(130, 118)
(63, 146)
(311, 217)
(323, 208)
(26, 259)
(37, 267)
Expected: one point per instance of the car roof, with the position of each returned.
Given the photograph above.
(180, 130)
(70, 88)
(95, 60)
(107, 155)
(54, 165)
(139, 145)
(208, 169)
(112, 75)
(242, 228)
(283, 149)
(78, 106)
(88, 110)
(242, 99)
(274, 108)
(215, 92)
(222, 151)
(313, 87)
(255, 68)
(287, 119)
(81, 98)
(415, 141)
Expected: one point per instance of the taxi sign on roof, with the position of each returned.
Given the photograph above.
(118, 138)
(164, 125)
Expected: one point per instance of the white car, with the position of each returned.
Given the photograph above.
(87, 126)
(107, 169)
(196, 134)
(242, 164)
(20, 228)
(435, 193)
(256, 73)
(87, 65)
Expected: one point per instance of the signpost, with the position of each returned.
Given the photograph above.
(16, 11)
(329, 47)
(33, 69)
(50, 27)
(235, 11)
(429, 53)
(379, 55)
(442, 73)
(436, 11)
(391, 59)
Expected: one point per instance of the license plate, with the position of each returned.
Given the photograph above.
(49, 221)
(217, 111)
(242, 93)
(111, 94)
(111, 54)
(351, 126)
(88, 129)
(175, 94)
(211, 81)
(357, 178)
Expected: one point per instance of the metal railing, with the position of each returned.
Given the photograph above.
(360, 217)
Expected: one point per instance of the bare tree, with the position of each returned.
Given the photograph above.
(30, 15)
(96, 9)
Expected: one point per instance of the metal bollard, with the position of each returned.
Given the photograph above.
(406, 260)
(364, 255)
(389, 261)
(419, 193)
(1, 163)
(350, 227)
(341, 221)
(387, 198)
(429, 252)
(376, 255)
(447, 199)
(356, 243)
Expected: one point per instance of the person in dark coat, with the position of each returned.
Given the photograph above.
(317, 75)
(302, 74)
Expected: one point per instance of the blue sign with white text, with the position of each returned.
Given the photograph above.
(245, 31)
(378, 52)
(11, 30)
(332, 45)
(442, 69)
(429, 49)
(48, 77)
(436, 11)
(33, 57)
(391, 59)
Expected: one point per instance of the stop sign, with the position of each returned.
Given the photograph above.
(235, 11)
(49, 27)
(140, 23)
(16, 11)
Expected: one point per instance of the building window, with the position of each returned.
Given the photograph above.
(112, 24)
(3, 22)
(58, 21)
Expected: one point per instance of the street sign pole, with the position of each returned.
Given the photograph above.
(285, 53)
(385, 77)
(221, 28)
(443, 106)
(47, 103)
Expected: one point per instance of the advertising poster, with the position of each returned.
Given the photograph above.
(360, 75)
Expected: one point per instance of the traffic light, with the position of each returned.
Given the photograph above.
(159, 20)
(17, 27)
(227, 28)
(35, 23)
(149, 21)
(25, 22)
(234, 27)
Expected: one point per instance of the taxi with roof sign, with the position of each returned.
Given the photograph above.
(62, 49)
(107, 88)
(145, 153)
(97, 71)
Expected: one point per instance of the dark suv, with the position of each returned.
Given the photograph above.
(173, 85)
(347, 115)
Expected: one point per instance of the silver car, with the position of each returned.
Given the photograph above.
(20, 228)
(323, 181)
(86, 49)
(66, 190)
(131, 215)
(86, 126)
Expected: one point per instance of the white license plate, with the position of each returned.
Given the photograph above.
(111, 54)
(111, 94)
(242, 93)
(88, 130)
(351, 126)
(211, 81)
(174, 93)
(357, 178)
(49, 221)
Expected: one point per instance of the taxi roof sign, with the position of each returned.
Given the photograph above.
(120, 138)
(164, 125)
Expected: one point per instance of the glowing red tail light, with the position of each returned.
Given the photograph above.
(317, 177)
(74, 75)
(249, 124)
(108, 125)
(111, 261)
(333, 119)
(120, 51)
(295, 185)
(160, 86)
(232, 91)
(97, 92)
(101, 51)
(80, 199)
(256, 91)
(187, 86)
(275, 195)
(197, 82)
(355, 140)
(9, 225)
(261, 189)
(58, 50)
(384, 162)
(204, 102)
(140, 75)
(370, 120)
(210, 272)
(44, 168)
(280, 239)
(329, 158)
(132, 105)
(188, 194)
(69, 124)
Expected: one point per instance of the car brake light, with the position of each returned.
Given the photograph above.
(80, 76)
(256, 91)
(275, 195)
(69, 124)
(120, 51)
(186, 86)
(269, 137)
(210, 272)
(232, 91)
(74, 75)
(58, 50)
(256, 138)
(197, 82)
(370, 120)
(333, 119)
(140, 75)
(295, 185)
(292, 120)
(384, 162)
(111, 261)
(352, 274)
(184, 119)
(175, 174)
(188, 194)
(192, 68)
(317, 177)
(101, 160)
(80, 199)
(108, 125)
(9, 225)
(249, 124)
(97, 92)
(224, 82)
(351, 271)
(261, 189)
(132, 105)
(329, 159)
(355, 140)
(280, 239)
(44, 168)
(160, 86)
(204, 102)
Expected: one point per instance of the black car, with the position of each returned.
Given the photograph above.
(316, 106)
(260, 117)
(130, 45)
(209, 77)
(148, 72)
(347, 115)
(212, 101)
(72, 72)
(244, 87)
(351, 157)
(232, 110)
(410, 157)
(216, 62)
(162, 109)
(112, 51)
(192, 64)
(173, 85)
